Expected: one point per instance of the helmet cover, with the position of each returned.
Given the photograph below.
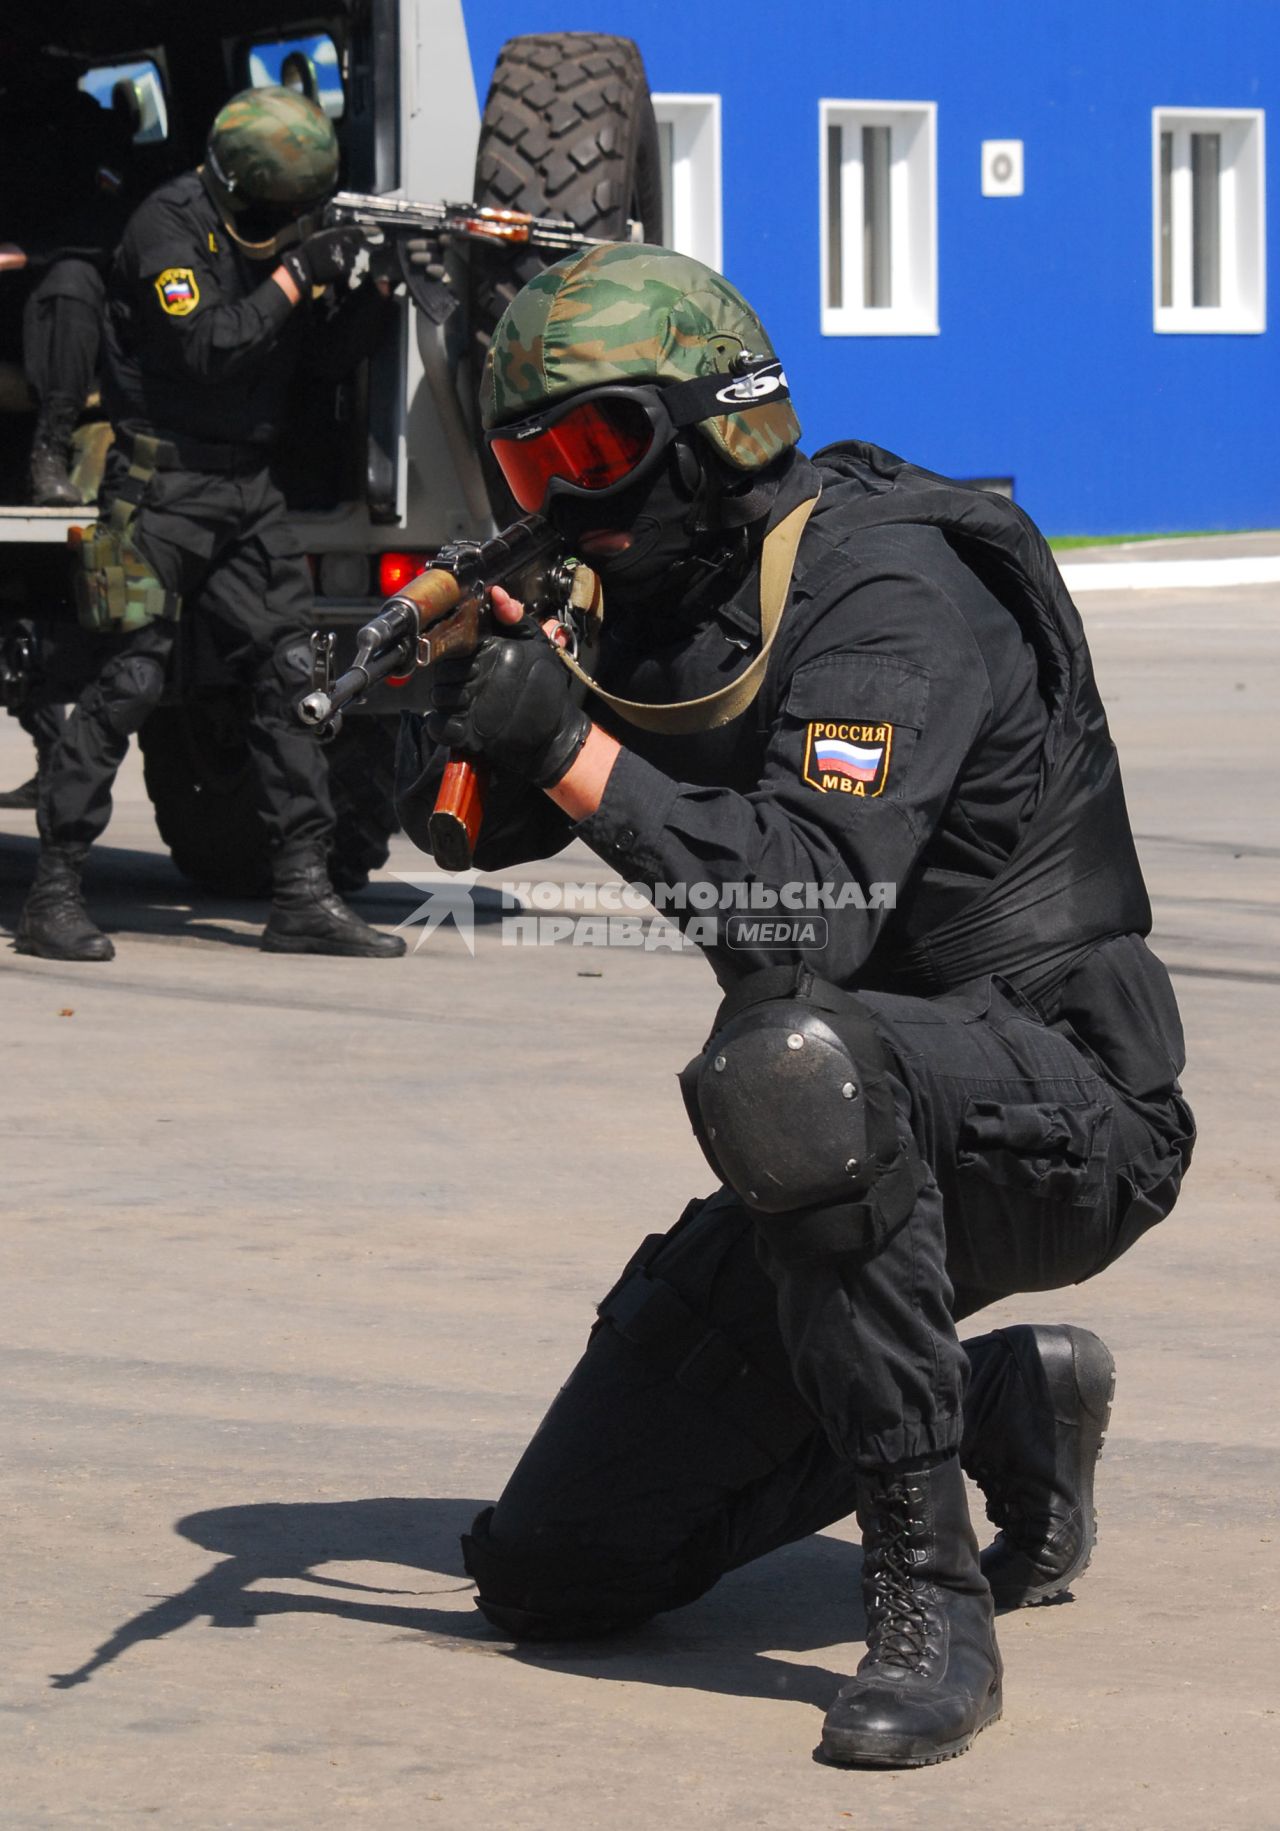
(272, 147)
(627, 312)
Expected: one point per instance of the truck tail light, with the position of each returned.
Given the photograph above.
(396, 569)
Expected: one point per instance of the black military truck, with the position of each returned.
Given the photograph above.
(382, 469)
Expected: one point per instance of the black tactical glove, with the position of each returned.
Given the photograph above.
(510, 702)
(329, 254)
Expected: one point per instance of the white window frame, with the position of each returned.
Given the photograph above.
(697, 226)
(913, 212)
(1242, 222)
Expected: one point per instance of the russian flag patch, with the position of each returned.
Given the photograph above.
(847, 756)
(177, 291)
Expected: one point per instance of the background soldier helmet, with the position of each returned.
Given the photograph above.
(272, 154)
(631, 313)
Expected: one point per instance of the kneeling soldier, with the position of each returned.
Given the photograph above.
(814, 676)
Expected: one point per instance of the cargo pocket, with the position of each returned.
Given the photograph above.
(1053, 1149)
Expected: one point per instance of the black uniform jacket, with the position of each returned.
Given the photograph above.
(929, 722)
(200, 342)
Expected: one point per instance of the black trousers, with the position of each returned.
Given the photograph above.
(62, 330)
(729, 1396)
(225, 545)
(43, 725)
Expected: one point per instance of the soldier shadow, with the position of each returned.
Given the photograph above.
(799, 1599)
(140, 893)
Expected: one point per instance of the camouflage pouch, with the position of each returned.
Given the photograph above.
(116, 591)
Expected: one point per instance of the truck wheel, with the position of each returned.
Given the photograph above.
(199, 776)
(567, 130)
(198, 773)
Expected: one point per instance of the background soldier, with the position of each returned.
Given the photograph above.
(212, 306)
(64, 209)
(63, 213)
(969, 1094)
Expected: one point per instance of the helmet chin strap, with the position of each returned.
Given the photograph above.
(221, 193)
(263, 251)
(722, 506)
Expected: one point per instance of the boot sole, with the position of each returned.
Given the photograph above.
(23, 946)
(1092, 1362)
(847, 1751)
(302, 944)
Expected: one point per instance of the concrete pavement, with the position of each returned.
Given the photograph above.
(296, 1252)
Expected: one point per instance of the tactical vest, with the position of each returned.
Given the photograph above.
(1061, 921)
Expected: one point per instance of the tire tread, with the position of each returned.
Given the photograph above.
(567, 131)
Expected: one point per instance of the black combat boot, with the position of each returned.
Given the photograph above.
(309, 917)
(27, 794)
(1037, 1408)
(931, 1676)
(51, 485)
(54, 922)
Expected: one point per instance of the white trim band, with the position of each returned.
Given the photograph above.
(1171, 574)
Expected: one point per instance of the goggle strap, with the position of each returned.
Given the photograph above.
(709, 397)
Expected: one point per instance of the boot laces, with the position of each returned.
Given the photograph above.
(898, 1619)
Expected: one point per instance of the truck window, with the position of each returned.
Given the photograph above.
(136, 92)
(310, 65)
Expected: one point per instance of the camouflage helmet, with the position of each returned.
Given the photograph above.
(272, 148)
(626, 312)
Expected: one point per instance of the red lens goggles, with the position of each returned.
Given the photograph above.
(587, 447)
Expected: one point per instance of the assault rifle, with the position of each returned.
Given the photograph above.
(445, 611)
(418, 234)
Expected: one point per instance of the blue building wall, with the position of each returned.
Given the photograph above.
(1047, 368)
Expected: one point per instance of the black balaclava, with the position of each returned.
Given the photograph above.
(690, 526)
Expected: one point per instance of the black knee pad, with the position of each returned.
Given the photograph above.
(558, 1593)
(282, 678)
(792, 1105)
(289, 669)
(129, 690)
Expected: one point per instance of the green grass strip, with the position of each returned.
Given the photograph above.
(1063, 543)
